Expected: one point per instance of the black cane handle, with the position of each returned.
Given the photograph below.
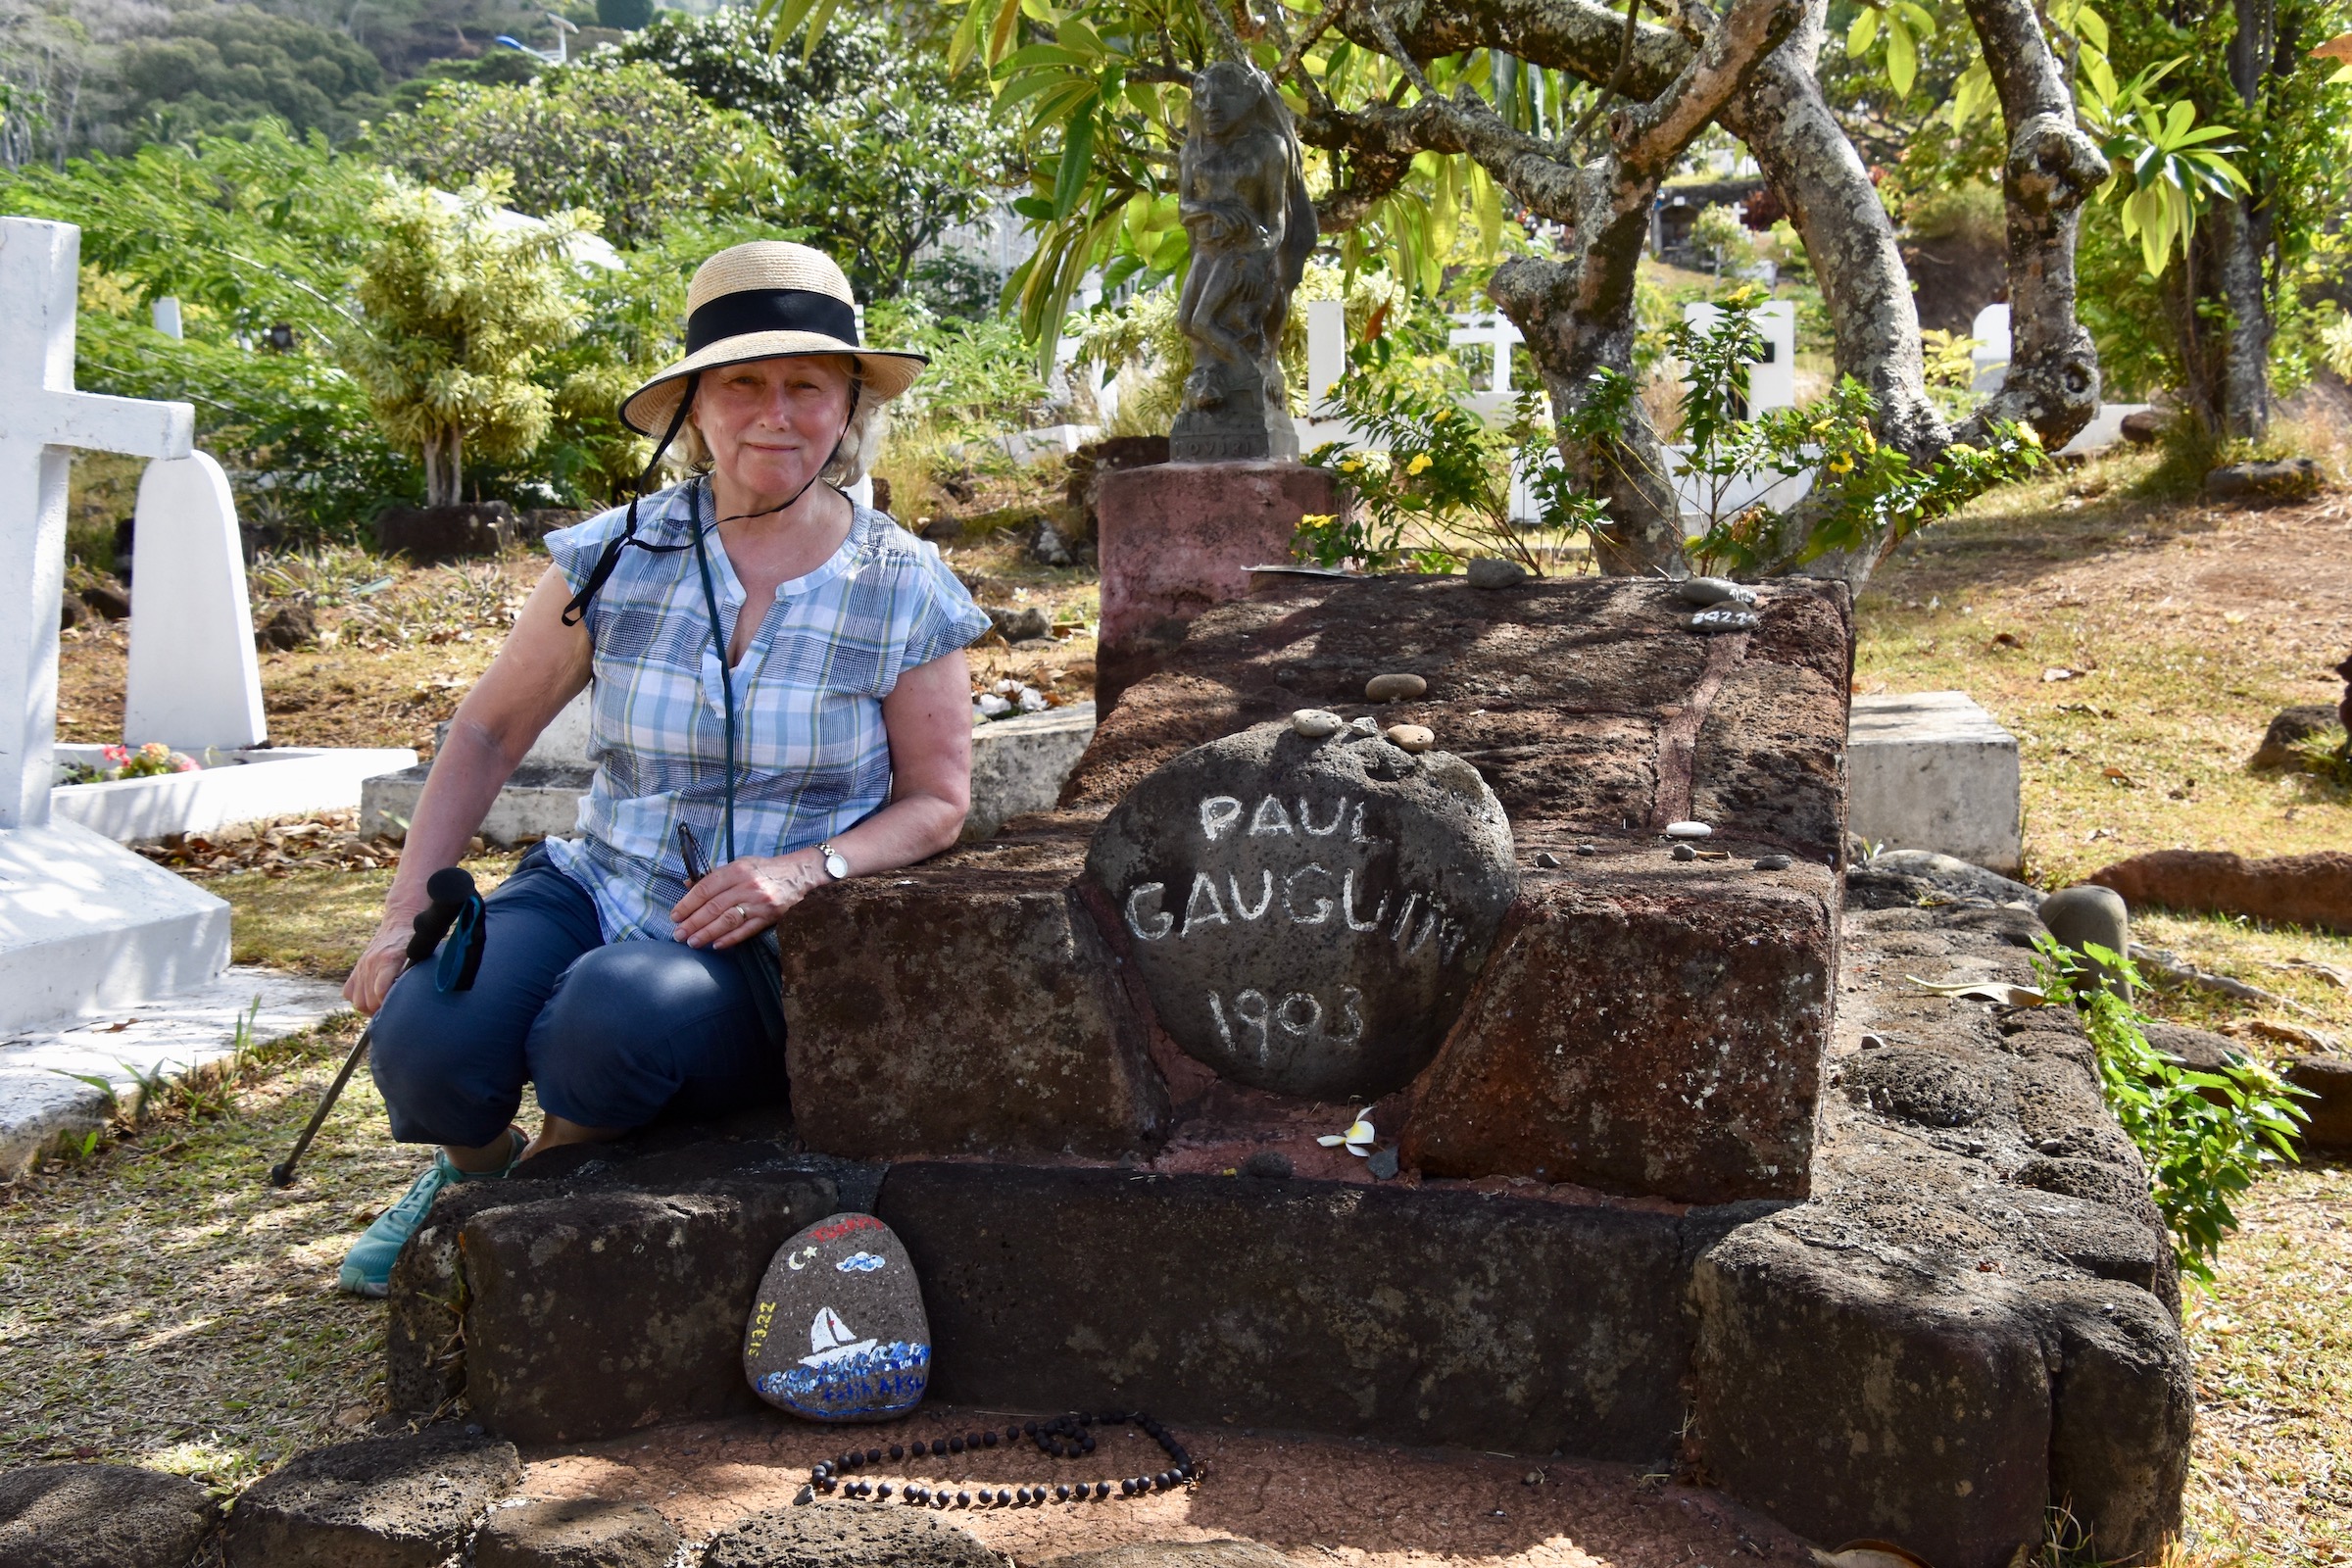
(449, 888)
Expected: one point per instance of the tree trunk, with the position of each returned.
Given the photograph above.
(2242, 230)
(444, 474)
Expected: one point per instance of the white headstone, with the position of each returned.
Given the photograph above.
(1990, 355)
(1326, 350)
(1772, 379)
(84, 923)
(194, 681)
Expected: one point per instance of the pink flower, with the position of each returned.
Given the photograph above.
(117, 755)
(182, 762)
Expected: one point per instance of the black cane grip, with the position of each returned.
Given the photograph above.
(449, 889)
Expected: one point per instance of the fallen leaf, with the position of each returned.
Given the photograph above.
(1994, 991)
(1868, 1554)
(2057, 672)
(2293, 1034)
(2328, 973)
(2116, 776)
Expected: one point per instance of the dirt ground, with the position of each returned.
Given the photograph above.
(1315, 1499)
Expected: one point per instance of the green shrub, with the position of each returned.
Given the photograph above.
(2205, 1136)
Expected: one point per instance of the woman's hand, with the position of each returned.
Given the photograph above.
(744, 897)
(385, 958)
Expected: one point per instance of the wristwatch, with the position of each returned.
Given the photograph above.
(835, 867)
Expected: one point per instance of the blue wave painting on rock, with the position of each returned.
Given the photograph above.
(860, 1387)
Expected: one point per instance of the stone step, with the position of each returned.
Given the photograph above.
(47, 1097)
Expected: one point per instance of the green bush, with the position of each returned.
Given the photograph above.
(2205, 1136)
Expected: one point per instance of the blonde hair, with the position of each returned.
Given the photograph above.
(860, 444)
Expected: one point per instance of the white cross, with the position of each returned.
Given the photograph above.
(41, 415)
(1496, 331)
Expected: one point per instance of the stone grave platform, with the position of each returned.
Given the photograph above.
(1971, 1317)
(1641, 1026)
(1933, 771)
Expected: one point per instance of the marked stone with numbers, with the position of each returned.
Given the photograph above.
(1307, 913)
(838, 1332)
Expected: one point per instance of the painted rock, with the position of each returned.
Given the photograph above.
(1721, 618)
(838, 1332)
(1307, 915)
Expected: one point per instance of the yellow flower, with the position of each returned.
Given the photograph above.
(1419, 463)
(1842, 464)
(155, 748)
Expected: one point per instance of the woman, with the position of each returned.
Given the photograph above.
(608, 976)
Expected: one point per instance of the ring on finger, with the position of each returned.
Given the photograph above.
(741, 914)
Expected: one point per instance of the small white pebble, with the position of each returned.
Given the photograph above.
(1316, 723)
(1689, 830)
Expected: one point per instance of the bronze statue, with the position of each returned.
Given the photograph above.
(1243, 200)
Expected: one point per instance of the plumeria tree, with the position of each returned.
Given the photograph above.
(1428, 119)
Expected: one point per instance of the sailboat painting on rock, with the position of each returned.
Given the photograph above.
(838, 1332)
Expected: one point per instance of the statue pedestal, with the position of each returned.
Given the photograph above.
(1178, 538)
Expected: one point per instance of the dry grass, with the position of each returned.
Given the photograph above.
(2271, 1480)
(2183, 629)
(161, 1304)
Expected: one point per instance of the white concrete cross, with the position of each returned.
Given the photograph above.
(41, 417)
(1990, 355)
(1495, 331)
(86, 926)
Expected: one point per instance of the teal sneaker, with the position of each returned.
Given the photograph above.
(367, 1267)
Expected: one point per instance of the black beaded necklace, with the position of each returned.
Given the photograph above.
(1064, 1437)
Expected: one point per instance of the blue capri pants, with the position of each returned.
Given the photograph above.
(613, 1034)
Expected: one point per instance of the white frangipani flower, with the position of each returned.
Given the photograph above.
(1358, 1139)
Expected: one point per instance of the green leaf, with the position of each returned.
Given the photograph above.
(1077, 162)
(1035, 208)
(1862, 32)
(1034, 55)
(1169, 253)
(1902, 58)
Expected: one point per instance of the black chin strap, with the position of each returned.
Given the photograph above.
(607, 563)
(610, 561)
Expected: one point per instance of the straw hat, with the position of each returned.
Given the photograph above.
(762, 301)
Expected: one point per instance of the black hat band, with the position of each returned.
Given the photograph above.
(771, 310)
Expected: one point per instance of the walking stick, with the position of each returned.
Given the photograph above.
(453, 895)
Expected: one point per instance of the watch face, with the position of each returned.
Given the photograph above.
(835, 866)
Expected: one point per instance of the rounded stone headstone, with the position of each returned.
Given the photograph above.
(2088, 914)
(1307, 915)
(838, 1331)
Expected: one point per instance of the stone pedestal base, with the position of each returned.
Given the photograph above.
(1179, 538)
(87, 927)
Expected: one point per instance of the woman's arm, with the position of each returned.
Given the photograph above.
(543, 665)
(928, 716)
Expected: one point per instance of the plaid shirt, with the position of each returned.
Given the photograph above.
(812, 758)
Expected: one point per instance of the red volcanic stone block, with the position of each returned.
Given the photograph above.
(965, 1005)
(2313, 890)
(1643, 1026)
(1177, 538)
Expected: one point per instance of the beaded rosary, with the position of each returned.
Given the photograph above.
(1066, 1437)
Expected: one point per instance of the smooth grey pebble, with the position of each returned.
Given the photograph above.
(1383, 1163)
(1547, 860)
(1773, 863)
(1683, 852)
(1714, 591)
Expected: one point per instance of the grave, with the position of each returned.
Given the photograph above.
(1991, 361)
(86, 926)
(1932, 770)
(1690, 1178)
